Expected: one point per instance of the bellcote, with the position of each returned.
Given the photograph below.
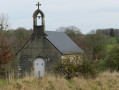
(38, 23)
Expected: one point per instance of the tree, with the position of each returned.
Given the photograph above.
(71, 31)
(21, 36)
(3, 21)
(5, 56)
(97, 42)
(112, 59)
(117, 38)
(112, 33)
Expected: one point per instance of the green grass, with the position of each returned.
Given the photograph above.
(110, 47)
(112, 40)
(3, 82)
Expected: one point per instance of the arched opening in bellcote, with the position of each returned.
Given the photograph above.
(39, 20)
(38, 23)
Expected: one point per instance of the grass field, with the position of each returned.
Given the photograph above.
(111, 46)
(112, 40)
(105, 81)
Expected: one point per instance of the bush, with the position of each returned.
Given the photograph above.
(112, 60)
(66, 69)
(100, 65)
(70, 70)
(87, 69)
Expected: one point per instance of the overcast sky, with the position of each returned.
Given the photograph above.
(87, 15)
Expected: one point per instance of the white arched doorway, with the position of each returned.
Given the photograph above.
(39, 67)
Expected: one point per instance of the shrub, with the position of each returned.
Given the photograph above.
(112, 60)
(100, 65)
(87, 69)
(66, 69)
(70, 70)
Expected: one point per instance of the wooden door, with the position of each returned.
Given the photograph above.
(39, 67)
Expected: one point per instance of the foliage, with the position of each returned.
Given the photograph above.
(5, 55)
(112, 60)
(117, 40)
(70, 70)
(14, 40)
(98, 43)
(112, 40)
(112, 33)
(3, 82)
(100, 65)
(66, 69)
(110, 47)
(21, 36)
(87, 69)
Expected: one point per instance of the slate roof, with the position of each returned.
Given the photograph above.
(63, 43)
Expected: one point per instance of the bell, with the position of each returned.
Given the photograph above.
(39, 17)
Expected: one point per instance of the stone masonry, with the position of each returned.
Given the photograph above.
(37, 48)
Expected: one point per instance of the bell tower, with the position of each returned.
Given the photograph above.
(38, 23)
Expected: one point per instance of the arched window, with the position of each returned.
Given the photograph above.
(39, 20)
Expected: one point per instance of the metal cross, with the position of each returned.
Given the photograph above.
(38, 5)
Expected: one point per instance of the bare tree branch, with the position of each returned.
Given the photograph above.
(3, 21)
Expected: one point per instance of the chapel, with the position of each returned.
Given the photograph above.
(44, 48)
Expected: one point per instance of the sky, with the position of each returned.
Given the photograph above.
(87, 15)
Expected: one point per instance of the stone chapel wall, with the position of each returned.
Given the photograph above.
(37, 48)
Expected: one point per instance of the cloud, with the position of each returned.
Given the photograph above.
(85, 14)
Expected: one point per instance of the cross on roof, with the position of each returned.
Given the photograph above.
(38, 5)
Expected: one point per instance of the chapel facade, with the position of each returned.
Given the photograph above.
(44, 48)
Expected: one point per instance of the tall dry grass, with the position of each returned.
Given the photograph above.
(105, 81)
